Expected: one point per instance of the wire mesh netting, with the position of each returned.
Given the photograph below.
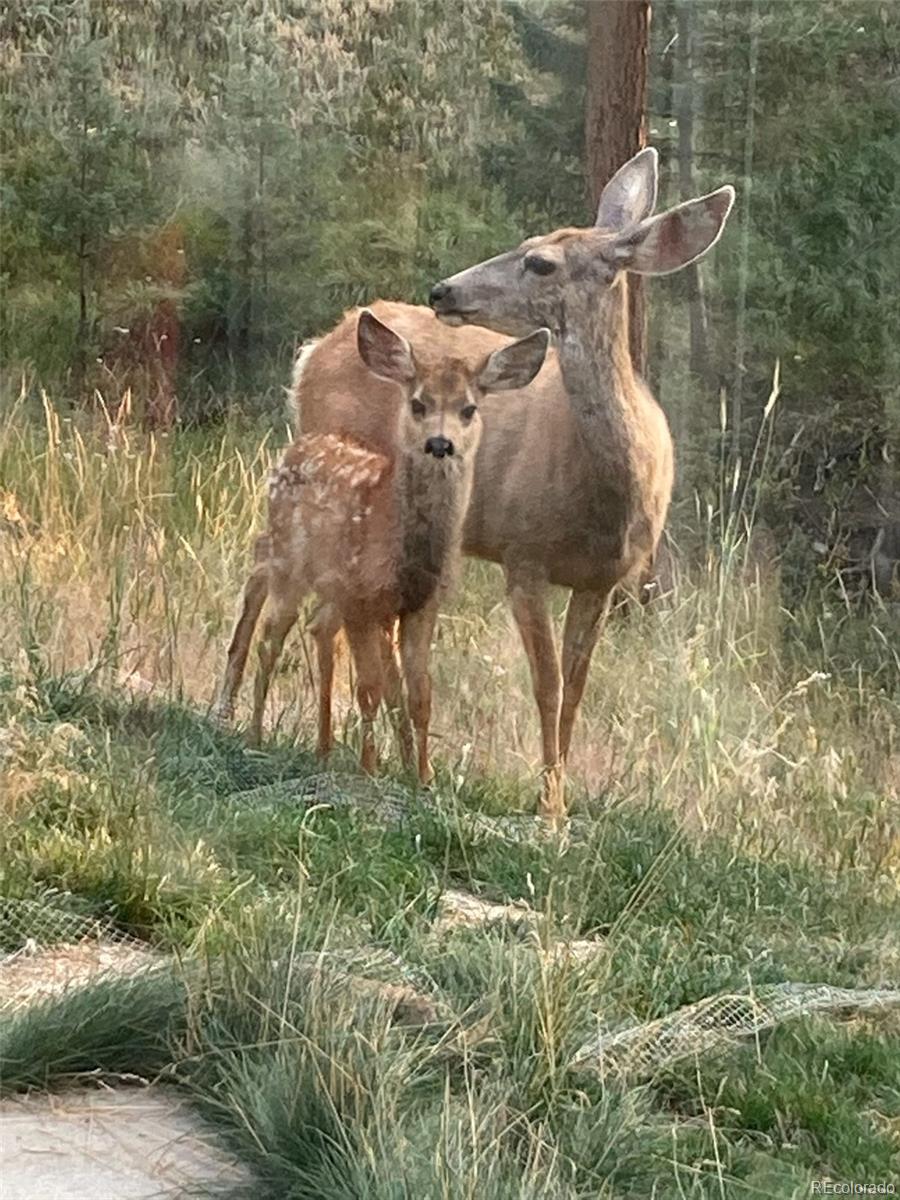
(717, 1023)
(46, 948)
(38, 924)
(338, 789)
(394, 802)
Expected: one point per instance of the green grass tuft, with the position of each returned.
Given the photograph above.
(735, 784)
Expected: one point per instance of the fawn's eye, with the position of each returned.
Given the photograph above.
(418, 408)
(540, 266)
(468, 412)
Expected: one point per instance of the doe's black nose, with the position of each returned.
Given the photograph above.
(439, 292)
(438, 446)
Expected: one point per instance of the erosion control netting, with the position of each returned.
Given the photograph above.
(336, 789)
(40, 924)
(45, 948)
(393, 803)
(716, 1023)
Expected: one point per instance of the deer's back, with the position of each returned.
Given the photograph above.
(332, 527)
(537, 495)
(336, 393)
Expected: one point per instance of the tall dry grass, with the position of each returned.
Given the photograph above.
(122, 555)
(737, 759)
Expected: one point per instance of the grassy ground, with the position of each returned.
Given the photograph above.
(737, 776)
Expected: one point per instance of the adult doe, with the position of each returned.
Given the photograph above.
(574, 474)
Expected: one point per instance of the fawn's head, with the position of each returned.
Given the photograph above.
(535, 283)
(439, 411)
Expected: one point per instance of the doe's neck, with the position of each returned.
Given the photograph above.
(595, 361)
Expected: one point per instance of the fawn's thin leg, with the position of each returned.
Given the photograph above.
(394, 698)
(278, 622)
(585, 617)
(325, 627)
(529, 607)
(254, 597)
(365, 646)
(416, 630)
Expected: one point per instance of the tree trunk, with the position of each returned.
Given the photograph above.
(684, 111)
(661, 104)
(616, 116)
(737, 394)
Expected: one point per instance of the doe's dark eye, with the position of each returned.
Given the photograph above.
(468, 412)
(418, 408)
(540, 266)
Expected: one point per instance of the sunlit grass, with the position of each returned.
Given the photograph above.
(736, 772)
(123, 556)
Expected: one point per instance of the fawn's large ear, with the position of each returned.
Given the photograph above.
(630, 196)
(675, 238)
(385, 353)
(514, 366)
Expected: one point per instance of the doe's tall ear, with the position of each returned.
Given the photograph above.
(630, 196)
(385, 353)
(514, 366)
(675, 238)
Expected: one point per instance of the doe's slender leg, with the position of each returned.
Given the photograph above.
(585, 617)
(527, 594)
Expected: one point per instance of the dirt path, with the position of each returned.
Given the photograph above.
(103, 1144)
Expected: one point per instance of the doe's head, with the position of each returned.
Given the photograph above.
(439, 411)
(536, 283)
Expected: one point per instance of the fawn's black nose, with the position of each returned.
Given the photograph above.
(440, 294)
(438, 446)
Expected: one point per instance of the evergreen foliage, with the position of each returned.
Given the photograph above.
(191, 189)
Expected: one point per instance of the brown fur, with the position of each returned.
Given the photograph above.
(371, 537)
(550, 502)
(528, 485)
(574, 474)
(373, 532)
